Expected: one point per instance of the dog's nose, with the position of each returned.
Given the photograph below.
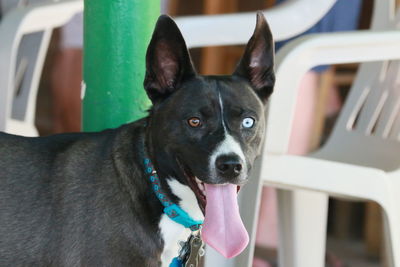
(229, 166)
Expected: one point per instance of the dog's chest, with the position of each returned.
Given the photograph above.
(171, 232)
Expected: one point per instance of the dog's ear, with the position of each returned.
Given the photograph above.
(257, 62)
(168, 61)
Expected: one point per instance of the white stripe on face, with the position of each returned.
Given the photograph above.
(221, 105)
(228, 146)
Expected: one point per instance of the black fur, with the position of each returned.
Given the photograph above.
(77, 200)
(82, 199)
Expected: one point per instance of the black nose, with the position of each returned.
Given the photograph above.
(228, 166)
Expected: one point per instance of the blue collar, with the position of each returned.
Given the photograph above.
(173, 211)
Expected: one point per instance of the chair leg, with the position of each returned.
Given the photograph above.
(213, 258)
(392, 235)
(302, 228)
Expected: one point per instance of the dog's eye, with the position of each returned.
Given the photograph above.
(248, 122)
(194, 122)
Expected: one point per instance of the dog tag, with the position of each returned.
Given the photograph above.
(184, 251)
(196, 251)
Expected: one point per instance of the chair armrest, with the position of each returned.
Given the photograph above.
(296, 58)
(334, 178)
(233, 29)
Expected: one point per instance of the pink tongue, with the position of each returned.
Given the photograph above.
(223, 228)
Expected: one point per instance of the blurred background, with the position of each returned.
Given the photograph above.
(354, 228)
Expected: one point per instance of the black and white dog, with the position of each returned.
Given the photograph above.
(85, 199)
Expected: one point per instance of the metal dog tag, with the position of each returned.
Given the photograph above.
(184, 251)
(196, 250)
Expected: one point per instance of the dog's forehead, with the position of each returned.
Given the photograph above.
(212, 90)
(236, 93)
(196, 94)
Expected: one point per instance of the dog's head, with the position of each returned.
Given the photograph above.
(207, 127)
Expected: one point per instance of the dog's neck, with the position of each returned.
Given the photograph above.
(170, 178)
(163, 164)
(174, 211)
(179, 193)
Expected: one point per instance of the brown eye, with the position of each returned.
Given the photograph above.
(194, 122)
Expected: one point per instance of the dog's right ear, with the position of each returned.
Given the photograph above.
(168, 61)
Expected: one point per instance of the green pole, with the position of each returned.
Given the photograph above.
(116, 34)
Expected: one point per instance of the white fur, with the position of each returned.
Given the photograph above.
(188, 199)
(173, 232)
(228, 146)
(221, 105)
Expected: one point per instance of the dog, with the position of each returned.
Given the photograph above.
(91, 199)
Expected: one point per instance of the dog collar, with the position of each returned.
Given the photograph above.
(173, 211)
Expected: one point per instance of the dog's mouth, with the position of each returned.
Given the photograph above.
(198, 187)
(223, 228)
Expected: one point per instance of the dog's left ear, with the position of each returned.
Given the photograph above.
(168, 61)
(257, 62)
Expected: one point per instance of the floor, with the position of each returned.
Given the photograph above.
(341, 253)
(351, 253)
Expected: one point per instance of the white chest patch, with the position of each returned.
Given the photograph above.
(172, 232)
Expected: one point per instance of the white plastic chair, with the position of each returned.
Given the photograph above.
(40, 18)
(285, 20)
(361, 158)
(276, 143)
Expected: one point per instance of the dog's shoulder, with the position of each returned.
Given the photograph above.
(68, 154)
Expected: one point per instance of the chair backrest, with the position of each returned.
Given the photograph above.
(25, 35)
(236, 28)
(368, 129)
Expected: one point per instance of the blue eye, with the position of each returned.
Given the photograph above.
(248, 122)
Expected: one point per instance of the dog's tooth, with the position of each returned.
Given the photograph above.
(201, 186)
